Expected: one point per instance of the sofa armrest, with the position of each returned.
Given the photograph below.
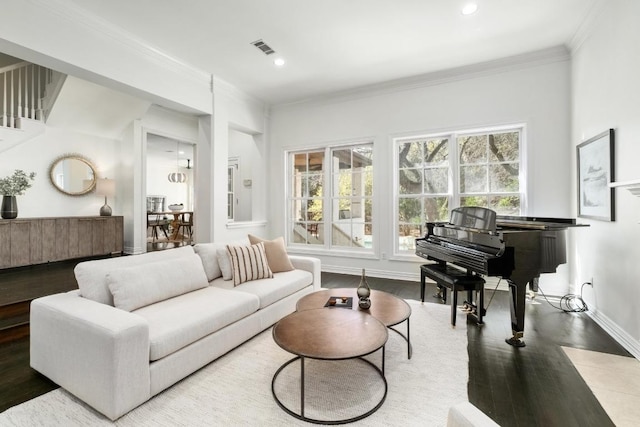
(97, 352)
(309, 264)
(465, 414)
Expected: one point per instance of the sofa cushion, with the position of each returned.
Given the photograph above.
(271, 290)
(208, 253)
(92, 275)
(141, 285)
(215, 258)
(277, 256)
(180, 321)
(249, 263)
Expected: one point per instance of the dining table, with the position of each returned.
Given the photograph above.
(173, 224)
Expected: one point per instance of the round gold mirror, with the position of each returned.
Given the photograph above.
(73, 175)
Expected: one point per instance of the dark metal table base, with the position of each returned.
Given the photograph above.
(301, 415)
(407, 337)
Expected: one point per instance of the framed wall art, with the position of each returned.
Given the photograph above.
(596, 200)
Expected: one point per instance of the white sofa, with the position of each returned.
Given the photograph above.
(115, 359)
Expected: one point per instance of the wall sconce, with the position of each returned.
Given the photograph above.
(107, 188)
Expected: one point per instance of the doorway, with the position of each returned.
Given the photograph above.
(169, 192)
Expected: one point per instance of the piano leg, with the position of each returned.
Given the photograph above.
(517, 295)
(533, 287)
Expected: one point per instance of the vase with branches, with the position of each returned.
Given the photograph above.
(12, 186)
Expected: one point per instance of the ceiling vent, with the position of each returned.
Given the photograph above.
(263, 47)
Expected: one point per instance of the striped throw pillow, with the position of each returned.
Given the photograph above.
(248, 263)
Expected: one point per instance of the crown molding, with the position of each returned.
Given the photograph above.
(586, 26)
(516, 62)
(223, 87)
(91, 23)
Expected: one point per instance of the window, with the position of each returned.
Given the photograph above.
(438, 173)
(330, 197)
(231, 184)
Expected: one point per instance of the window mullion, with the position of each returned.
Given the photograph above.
(327, 199)
(454, 171)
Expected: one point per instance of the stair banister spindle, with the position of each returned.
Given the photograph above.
(27, 89)
(25, 93)
(19, 93)
(11, 117)
(39, 90)
(32, 113)
(4, 99)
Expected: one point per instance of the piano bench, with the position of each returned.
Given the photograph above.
(457, 280)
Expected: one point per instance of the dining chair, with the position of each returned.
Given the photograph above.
(185, 224)
(155, 222)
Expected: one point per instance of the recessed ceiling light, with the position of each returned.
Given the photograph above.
(469, 9)
(279, 62)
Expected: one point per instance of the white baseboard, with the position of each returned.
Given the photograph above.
(622, 337)
(413, 276)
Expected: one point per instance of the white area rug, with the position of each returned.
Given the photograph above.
(236, 389)
(614, 381)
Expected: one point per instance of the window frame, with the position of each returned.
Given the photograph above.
(454, 170)
(328, 198)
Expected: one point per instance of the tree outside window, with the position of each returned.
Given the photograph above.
(437, 174)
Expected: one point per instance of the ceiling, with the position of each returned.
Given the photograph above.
(168, 151)
(336, 45)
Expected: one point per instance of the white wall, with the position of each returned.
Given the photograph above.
(243, 148)
(37, 154)
(606, 66)
(158, 169)
(236, 110)
(535, 94)
(68, 39)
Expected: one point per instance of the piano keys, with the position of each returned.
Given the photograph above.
(517, 249)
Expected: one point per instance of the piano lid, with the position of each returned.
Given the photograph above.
(536, 223)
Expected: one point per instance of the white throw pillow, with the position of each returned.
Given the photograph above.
(249, 263)
(224, 262)
(142, 285)
(208, 253)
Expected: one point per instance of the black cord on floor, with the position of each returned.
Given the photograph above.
(570, 303)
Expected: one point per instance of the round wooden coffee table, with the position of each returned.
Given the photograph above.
(329, 335)
(385, 307)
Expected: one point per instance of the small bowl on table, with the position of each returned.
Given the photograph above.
(176, 208)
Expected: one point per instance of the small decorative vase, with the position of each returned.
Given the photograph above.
(363, 293)
(364, 303)
(9, 207)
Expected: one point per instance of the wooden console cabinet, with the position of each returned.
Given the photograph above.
(31, 241)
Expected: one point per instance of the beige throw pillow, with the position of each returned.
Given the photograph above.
(276, 253)
(248, 263)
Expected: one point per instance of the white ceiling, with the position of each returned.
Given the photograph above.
(336, 45)
(169, 151)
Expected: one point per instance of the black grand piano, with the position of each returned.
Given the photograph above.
(516, 248)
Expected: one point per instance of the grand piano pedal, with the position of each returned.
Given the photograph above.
(531, 298)
(516, 342)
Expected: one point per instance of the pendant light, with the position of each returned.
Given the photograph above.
(177, 177)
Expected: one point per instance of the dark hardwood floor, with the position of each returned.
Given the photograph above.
(532, 386)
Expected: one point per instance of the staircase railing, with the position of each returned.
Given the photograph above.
(22, 87)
